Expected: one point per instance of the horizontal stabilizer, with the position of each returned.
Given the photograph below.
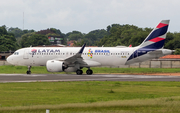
(155, 52)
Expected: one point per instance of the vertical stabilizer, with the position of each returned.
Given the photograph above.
(156, 39)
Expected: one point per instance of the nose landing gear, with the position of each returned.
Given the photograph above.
(29, 70)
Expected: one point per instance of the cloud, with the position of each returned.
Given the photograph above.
(87, 15)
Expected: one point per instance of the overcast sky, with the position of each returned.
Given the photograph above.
(88, 15)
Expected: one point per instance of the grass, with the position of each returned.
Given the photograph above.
(42, 70)
(90, 97)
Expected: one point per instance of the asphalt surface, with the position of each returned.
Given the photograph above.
(72, 77)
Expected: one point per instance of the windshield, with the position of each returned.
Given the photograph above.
(16, 53)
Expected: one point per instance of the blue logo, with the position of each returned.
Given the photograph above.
(102, 51)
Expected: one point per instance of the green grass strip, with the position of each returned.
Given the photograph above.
(90, 97)
(96, 70)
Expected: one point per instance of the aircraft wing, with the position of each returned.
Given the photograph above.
(77, 59)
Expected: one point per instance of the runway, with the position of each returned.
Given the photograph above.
(4, 78)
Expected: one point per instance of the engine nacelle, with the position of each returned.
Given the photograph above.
(54, 66)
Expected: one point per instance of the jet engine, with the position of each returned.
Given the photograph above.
(55, 66)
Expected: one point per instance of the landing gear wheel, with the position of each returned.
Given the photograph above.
(28, 72)
(79, 72)
(89, 72)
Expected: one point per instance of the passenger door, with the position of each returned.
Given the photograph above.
(26, 54)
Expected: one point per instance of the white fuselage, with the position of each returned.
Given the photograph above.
(105, 56)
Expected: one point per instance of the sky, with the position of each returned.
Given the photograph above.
(88, 15)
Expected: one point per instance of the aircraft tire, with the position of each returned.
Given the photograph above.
(28, 72)
(89, 72)
(79, 72)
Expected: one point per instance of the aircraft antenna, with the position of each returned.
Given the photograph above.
(23, 20)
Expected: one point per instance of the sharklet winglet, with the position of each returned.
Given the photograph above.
(82, 49)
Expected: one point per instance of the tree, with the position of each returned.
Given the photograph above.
(32, 39)
(18, 32)
(177, 52)
(7, 40)
(3, 30)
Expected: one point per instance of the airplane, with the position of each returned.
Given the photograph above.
(73, 59)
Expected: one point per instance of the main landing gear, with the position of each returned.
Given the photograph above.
(80, 72)
(29, 70)
(89, 72)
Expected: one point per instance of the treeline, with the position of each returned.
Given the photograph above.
(113, 35)
(7, 40)
(90, 39)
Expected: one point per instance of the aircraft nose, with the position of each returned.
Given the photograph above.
(9, 59)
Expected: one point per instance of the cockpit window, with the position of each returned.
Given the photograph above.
(16, 53)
